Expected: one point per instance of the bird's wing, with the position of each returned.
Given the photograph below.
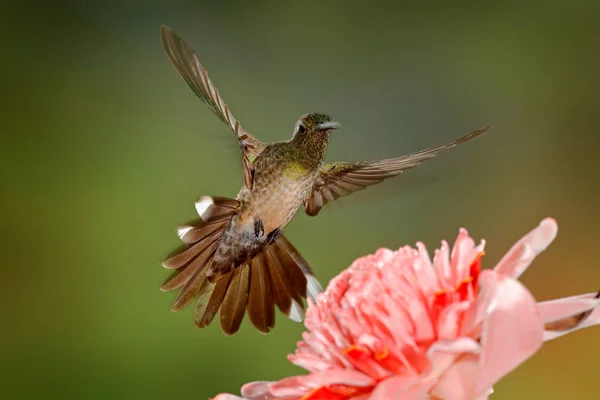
(193, 73)
(340, 179)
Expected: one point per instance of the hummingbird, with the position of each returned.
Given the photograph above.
(235, 259)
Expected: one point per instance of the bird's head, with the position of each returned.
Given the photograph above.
(314, 123)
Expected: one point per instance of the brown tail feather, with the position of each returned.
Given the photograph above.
(234, 304)
(282, 291)
(209, 307)
(273, 277)
(204, 295)
(193, 233)
(201, 238)
(191, 289)
(183, 274)
(295, 277)
(313, 287)
(260, 299)
(212, 207)
(278, 275)
(184, 256)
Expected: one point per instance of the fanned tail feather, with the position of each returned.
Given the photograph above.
(312, 286)
(283, 292)
(235, 301)
(260, 308)
(201, 238)
(276, 276)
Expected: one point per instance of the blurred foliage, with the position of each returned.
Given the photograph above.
(104, 150)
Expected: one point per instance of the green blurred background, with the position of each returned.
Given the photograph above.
(104, 150)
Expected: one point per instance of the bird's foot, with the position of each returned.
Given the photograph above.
(259, 228)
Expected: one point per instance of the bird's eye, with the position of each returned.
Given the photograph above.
(301, 128)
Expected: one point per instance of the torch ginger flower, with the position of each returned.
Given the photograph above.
(396, 325)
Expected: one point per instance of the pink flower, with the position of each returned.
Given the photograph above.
(396, 325)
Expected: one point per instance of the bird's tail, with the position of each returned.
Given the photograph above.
(278, 275)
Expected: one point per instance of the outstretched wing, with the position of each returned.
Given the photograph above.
(193, 73)
(343, 178)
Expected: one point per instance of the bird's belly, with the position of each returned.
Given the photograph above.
(277, 204)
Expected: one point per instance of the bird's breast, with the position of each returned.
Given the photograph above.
(277, 194)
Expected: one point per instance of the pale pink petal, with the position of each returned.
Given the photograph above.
(256, 391)
(396, 325)
(422, 324)
(444, 353)
(288, 387)
(441, 264)
(518, 258)
(449, 319)
(400, 388)
(459, 382)
(301, 385)
(309, 361)
(428, 281)
(457, 346)
(227, 396)
(590, 320)
(336, 377)
(553, 310)
(512, 330)
(461, 257)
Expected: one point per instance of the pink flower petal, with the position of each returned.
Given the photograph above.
(449, 319)
(292, 386)
(570, 314)
(512, 330)
(336, 377)
(441, 264)
(553, 310)
(459, 382)
(302, 385)
(518, 258)
(461, 256)
(396, 325)
(256, 391)
(310, 362)
(227, 396)
(362, 359)
(443, 354)
(457, 346)
(423, 267)
(400, 388)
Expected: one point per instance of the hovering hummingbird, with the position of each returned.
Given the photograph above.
(235, 258)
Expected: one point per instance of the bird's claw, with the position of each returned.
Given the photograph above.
(259, 228)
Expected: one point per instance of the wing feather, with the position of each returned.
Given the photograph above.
(343, 178)
(195, 75)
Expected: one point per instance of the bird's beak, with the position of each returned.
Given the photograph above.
(329, 125)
